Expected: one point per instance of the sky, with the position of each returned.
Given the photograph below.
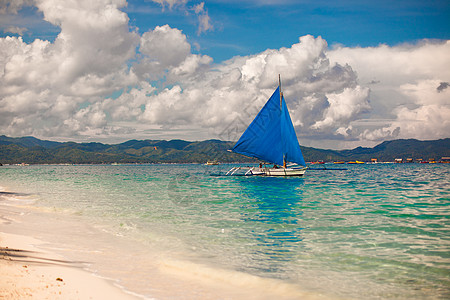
(354, 73)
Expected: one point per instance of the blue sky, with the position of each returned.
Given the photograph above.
(253, 27)
(356, 72)
(245, 27)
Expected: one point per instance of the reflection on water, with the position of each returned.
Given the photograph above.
(272, 211)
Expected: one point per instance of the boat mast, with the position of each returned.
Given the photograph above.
(281, 107)
(281, 94)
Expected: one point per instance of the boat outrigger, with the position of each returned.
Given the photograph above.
(271, 138)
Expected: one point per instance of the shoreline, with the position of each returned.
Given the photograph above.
(38, 245)
(31, 269)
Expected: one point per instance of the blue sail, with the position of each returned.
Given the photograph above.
(271, 136)
(291, 147)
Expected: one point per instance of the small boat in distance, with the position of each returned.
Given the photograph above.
(212, 163)
(271, 138)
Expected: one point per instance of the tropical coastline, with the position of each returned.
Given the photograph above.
(130, 167)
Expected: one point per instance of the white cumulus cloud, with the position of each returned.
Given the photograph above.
(87, 60)
(237, 89)
(408, 87)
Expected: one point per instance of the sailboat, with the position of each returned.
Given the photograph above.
(271, 138)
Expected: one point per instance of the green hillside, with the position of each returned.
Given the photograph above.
(35, 151)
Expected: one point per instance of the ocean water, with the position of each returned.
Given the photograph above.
(374, 231)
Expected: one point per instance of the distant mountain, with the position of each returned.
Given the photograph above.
(28, 142)
(35, 151)
(411, 148)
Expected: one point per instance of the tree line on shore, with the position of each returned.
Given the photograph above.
(31, 150)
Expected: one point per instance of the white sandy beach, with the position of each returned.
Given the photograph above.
(27, 272)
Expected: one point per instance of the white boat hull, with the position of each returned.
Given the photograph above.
(266, 171)
(284, 171)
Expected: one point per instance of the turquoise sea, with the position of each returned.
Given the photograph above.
(374, 231)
